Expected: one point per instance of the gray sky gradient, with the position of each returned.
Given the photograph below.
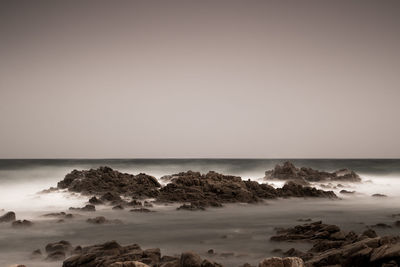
(199, 79)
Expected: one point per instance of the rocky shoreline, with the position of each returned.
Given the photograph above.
(194, 191)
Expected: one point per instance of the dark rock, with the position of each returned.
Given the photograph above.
(105, 179)
(379, 195)
(62, 245)
(369, 233)
(211, 252)
(190, 259)
(36, 254)
(118, 207)
(111, 197)
(8, 217)
(135, 203)
(95, 201)
(88, 207)
(289, 172)
(381, 225)
(209, 263)
(22, 224)
(191, 207)
(56, 256)
(59, 215)
(102, 220)
(346, 192)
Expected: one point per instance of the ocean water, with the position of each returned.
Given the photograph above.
(238, 233)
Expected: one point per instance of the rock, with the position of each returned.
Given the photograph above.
(190, 259)
(282, 262)
(102, 220)
(135, 203)
(17, 265)
(88, 207)
(95, 201)
(129, 264)
(36, 254)
(190, 206)
(346, 192)
(369, 233)
(22, 224)
(111, 197)
(113, 254)
(8, 217)
(104, 179)
(381, 225)
(56, 256)
(289, 172)
(209, 263)
(379, 195)
(211, 252)
(118, 207)
(62, 245)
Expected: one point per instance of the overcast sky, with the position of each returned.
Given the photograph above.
(244, 79)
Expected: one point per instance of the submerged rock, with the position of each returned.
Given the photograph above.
(22, 224)
(282, 262)
(288, 171)
(88, 207)
(8, 217)
(379, 195)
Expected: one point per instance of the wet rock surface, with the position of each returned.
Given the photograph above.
(104, 179)
(195, 190)
(332, 246)
(304, 175)
(113, 254)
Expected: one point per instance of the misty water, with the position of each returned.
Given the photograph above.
(238, 233)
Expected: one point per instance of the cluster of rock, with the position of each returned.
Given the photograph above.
(10, 217)
(332, 246)
(193, 188)
(304, 175)
(112, 254)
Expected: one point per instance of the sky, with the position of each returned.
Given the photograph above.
(199, 79)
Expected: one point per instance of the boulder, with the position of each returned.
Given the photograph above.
(8, 217)
(190, 259)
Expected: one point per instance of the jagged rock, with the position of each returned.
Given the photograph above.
(190, 206)
(104, 255)
(21, 224)
(105, 179)
(369, 233)
(8, 217)
(288, 171)
(209, 263)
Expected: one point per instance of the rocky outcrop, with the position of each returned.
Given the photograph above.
(303, 175)
(214, 189)
(332, 246)
(104, 179)
(193, 189)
